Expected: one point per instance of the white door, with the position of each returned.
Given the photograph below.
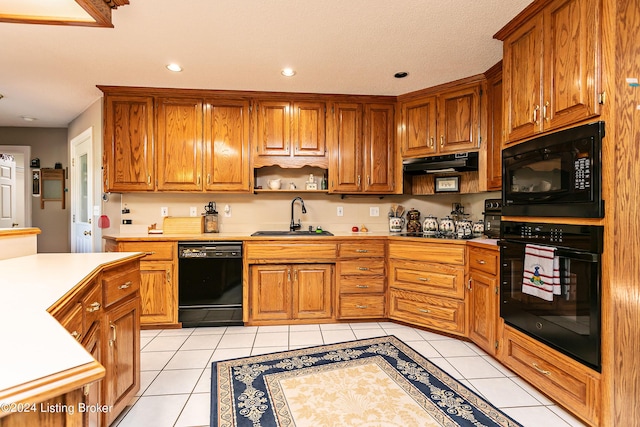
(81, 192)
(7, 192)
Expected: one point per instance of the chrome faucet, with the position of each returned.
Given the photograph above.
(293, 226)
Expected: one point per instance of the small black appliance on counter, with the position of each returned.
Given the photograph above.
(492, 213)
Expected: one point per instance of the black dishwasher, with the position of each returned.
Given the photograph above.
(209, 283)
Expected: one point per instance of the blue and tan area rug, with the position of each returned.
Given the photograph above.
(365, 383)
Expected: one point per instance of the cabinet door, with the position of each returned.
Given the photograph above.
(123, 355)
(226, 161)
(571, 62)
(483, 310)
(312, 291)
(522, 76)
(494, 129)
(346, 152)
(459, 119)
(179, 138)
(309, 129)
(274, 128)
(93, 392)
(128, 143)
(379, 148)
(419, 127)
(270, 297)
(158, 294)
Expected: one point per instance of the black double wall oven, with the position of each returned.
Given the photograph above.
(550, 268)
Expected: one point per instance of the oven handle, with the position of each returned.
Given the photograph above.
(561, 252)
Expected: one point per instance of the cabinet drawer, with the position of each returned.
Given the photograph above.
(361, 306)
(443, 314)
(446, 253)
(72, 321)
(435, 279)
(120, 284)
(92, 304)
(361, 249)
(362, 267)
(290, 251)
(562, 378)
(484, 260)
(361, 285)
(155, 250)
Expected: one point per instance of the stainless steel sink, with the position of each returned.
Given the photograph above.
(292, 233)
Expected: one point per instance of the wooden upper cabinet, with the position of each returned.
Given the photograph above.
(309, 129)
(494, 127)
(128, 143)
(444, 120)
(346, 150)
(362, 156)
(291, 128)
(459, 119)
(551, 68)
(226, 139)
(179, 138)
(379, 148)
(419, 127)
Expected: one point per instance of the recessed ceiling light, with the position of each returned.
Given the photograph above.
(174, 67)
(400, 74)
(288, 72)
(28, 119)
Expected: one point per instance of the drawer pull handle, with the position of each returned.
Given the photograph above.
(362, 251)
(362, 306)
(114, 334)
(94, 306)
(424, 310)
(539, 369)
(481, 261)
(362, 286)
(150, 253)
(125, 285)
(363, 268)
(76, 335)
(423, 279)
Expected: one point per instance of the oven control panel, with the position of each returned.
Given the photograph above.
(579, 237)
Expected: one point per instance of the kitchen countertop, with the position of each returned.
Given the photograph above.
(246, 236)
(37, 349)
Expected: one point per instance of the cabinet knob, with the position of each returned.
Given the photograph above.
(93, 307)
(125, 285)
(76, 335)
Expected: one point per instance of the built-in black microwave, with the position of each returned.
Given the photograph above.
(555, 175)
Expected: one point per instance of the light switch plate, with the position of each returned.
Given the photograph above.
(374, 211)
(193, 211)
(340, 211)
(164, 211)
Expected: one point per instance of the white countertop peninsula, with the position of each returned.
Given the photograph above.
(39, 356)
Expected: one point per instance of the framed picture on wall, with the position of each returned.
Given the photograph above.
(447, 184)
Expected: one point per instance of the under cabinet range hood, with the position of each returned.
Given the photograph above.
(458, 162)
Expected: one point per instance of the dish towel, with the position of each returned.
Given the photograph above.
(541, 272)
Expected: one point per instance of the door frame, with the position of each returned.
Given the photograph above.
(25, 150)
(86, 135)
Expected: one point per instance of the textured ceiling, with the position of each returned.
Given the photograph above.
(336, 46)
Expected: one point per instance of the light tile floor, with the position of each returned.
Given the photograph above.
(176, 369)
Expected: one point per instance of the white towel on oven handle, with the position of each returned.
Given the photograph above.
(541, 276)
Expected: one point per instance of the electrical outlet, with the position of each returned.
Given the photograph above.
(193, 211)
(374, 211)
(227, 211)
(340, 211)
(164, 211)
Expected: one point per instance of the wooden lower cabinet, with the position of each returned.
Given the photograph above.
(159, 284)
(426, 285)
(556, 375)
(122, 358)
(483, 297)
(361, 280)
(93, 393)
(291, 292)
